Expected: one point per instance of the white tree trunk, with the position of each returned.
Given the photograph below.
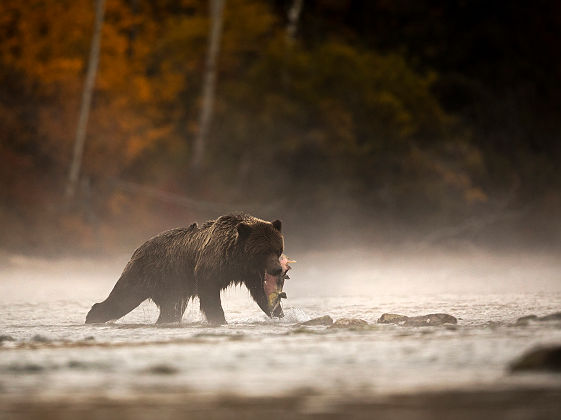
(81, 130)
(290, 35)
(209, 84)
(293, 18)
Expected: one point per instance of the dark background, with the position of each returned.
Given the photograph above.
(380, 123)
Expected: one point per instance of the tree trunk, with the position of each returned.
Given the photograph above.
(133, 29)
(207, 108)
(290, 34)
(293, 17)
(89, 83)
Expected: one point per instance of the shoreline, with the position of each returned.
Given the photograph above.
(519, 403)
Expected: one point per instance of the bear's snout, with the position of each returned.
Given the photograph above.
(273, 266)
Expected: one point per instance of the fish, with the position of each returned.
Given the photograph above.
(273, 286)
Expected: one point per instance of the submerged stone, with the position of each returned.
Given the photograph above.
(526, 319)
(162, 370)
(76, 364)
(417, 321)
(392, 319)
(551, 317)
(26, 368)
(322, 320)
(40, 339)
(349, 323)
(430, 320)
(6, 338)
(302, 330)
(543, 358)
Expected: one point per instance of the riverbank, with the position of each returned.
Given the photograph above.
(519, 404)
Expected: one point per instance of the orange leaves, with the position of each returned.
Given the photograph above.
(475, 195)
(327, 114)
(146, 139)
(340, 121)
(143, 88)
(45, 40)
(448, 177)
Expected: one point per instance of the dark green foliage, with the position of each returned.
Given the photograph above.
(407, 115)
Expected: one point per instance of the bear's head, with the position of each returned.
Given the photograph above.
(262, 244)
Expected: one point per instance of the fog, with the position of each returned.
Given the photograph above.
(319, 273)
(411, 150)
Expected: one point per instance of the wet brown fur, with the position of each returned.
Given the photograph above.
(180, 264)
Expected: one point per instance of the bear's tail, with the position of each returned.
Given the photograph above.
(119, 303)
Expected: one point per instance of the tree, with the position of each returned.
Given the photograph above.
(87, 93)
(293, 17)
(209, 84)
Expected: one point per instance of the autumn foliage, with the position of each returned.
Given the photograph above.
(326, 125)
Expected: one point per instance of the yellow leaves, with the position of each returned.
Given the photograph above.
(392, 110)
(341, 123)
(331, 99)
(47, 43)
(138, 143)
(44, 38)
(76, 227)
(117, 203)
(475, 195)
(183, 42)
(59, 70)
(143, 88)
(254, 17)
(455, 179)
(168, 84)
(448, 174)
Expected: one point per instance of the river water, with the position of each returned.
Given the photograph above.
(48, 352)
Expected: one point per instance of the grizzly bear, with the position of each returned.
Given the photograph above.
(180, 264)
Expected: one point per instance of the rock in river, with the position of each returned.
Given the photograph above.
(322, 320)
(392, 319)
(543, 358)
(525, 319)
(350, 323)
(418, 321)
(430, 320)
(551, 317)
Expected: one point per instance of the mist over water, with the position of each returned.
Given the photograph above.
(414, 164)
(44, 304)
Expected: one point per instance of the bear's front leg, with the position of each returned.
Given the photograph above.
(212, 307)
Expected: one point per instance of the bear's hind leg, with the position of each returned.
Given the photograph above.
(171, 311)
(212, 307)
(114, 307)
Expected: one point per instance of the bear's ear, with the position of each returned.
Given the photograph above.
(277, 224)
(244, 230)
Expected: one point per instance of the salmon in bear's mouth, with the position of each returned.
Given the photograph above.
(273, 285)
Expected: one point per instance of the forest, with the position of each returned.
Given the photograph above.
(353, 120)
